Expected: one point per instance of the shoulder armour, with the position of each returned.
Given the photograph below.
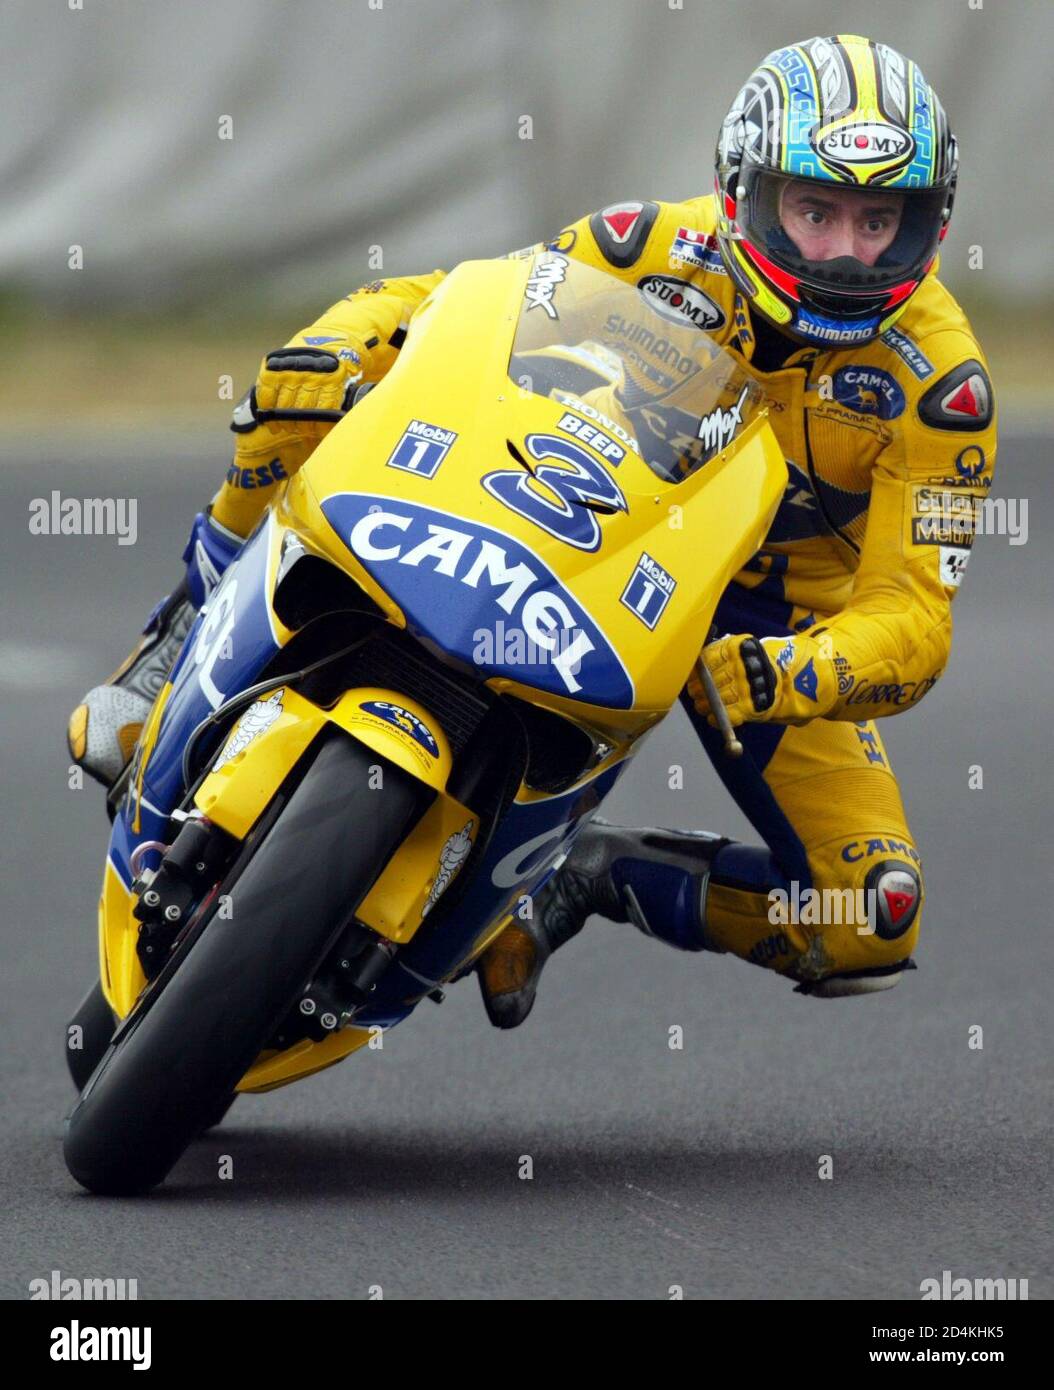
(960, 400)
(622, 230)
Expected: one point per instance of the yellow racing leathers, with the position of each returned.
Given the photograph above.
(303, 389)
(890, 447)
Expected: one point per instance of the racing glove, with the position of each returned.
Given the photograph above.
(302, 391)
(309, 385)
(788, 680)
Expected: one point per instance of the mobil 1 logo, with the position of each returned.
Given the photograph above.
(649, 590)
(422, 449)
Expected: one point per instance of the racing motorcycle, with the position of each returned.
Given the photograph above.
(425, 670)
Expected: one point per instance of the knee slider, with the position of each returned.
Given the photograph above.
(865, 959)
(850, 982)
(894, 897)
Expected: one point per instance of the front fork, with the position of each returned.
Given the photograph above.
(261, 752)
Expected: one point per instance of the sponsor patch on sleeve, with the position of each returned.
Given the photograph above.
(692, 248)
(943, 516)
(910, 352)
(953, 565)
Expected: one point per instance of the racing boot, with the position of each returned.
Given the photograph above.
(105, 727)
(656, 879)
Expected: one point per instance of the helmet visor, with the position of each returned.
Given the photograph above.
(845, 247)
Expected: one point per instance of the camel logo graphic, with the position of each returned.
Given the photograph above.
(451, 857)
(404, 720)
(256, 720)
(869, 391)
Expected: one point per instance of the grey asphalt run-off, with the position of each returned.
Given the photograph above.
(652, 1167)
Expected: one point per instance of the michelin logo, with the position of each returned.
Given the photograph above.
(452, 577)
(913, 355)
(451, 857)
(256, 720)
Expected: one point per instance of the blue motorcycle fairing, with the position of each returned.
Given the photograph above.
(228, 646)
(518, 860)
(231, 641)
(460, 582)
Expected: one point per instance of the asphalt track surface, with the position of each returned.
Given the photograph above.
(651, 1167)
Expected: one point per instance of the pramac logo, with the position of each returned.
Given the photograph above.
(405, 720)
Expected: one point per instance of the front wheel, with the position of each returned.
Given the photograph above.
(88, 1035)
(175, 1062)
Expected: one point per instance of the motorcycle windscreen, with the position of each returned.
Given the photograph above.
(638, 359)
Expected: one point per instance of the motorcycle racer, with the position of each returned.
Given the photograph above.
(813, 262)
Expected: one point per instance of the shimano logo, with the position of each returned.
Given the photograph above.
(827, 334)
(661, 348)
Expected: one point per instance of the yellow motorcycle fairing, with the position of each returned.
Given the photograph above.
(700, 530)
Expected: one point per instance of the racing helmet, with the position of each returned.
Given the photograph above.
(845, 130)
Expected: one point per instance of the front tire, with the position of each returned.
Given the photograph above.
(95, 1023)
(175, 1062)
